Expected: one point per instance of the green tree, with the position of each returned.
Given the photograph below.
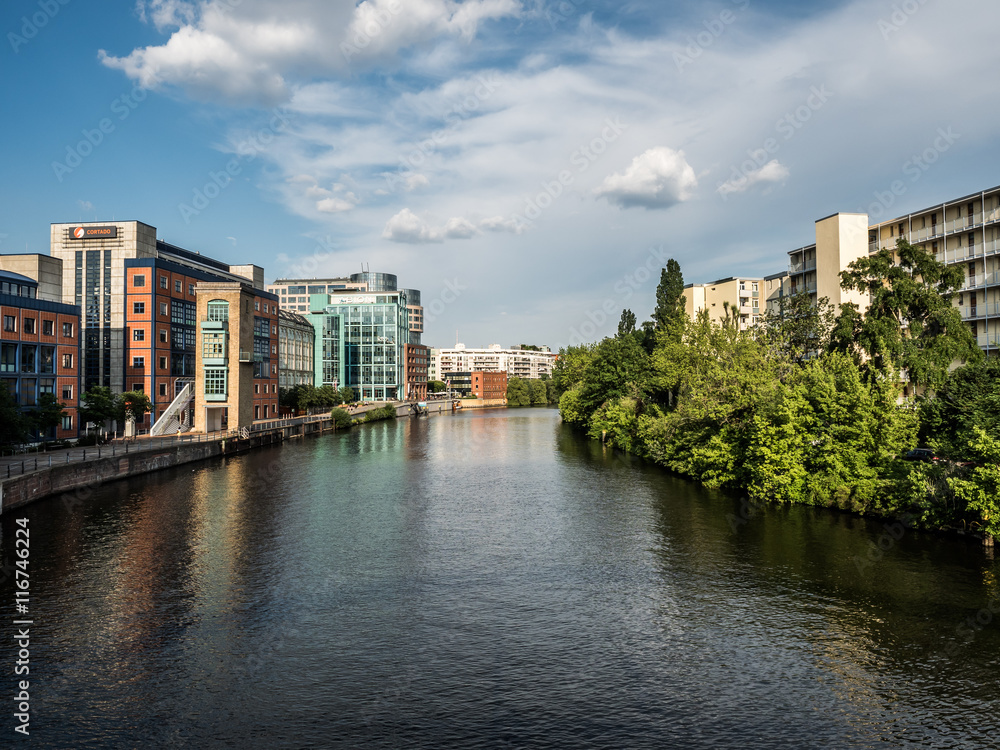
(13, 425)
(97, 405)
(910, 326)
(539, 394)
(518, 393)
(618, 369)
(799, 328)
(347, 394)
(436, 386)
(46, 416)
(626, 326)
(669, 313)
(572, 363)
(968, 399)
(134, 403)
(980, 492)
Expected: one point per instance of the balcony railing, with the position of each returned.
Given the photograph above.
(988, 340)
(985, 309)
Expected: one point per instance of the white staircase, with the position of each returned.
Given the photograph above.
(175, 418)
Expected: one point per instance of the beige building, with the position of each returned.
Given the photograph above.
(815, 269)
(234, 382)
(516, 361)
(44, 269)
(775, 288)
(740, 294)
(296, 339)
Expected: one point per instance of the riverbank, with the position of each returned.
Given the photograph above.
(76, 473)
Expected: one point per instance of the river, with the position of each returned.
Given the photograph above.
(489, 580)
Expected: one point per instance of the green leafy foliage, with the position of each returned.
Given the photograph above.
(518, 393)
(13, 425)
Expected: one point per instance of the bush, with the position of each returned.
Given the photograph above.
(341, 419)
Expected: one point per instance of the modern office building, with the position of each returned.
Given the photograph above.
(296, 356)
(489, 385)
(236, 366)
(137, 304)
(295, 293)
(361, 342)
(417, 358)
(516, 361)
(39, 349)
(459, 384)
(741, 296)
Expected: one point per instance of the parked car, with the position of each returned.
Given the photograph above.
(920, 454)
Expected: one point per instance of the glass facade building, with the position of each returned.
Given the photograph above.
(360, 342)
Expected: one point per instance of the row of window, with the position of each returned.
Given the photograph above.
(39, 359)
(48, 326)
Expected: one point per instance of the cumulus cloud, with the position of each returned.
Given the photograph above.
(244, 51)
(658, 178)
(501, 224)
(408, 228)
(337, 205)
(773, 171)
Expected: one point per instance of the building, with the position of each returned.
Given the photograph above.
(433, 359)
(491, 385)
(516, 361)
(360, 342)
(417, 360)
(460, 384)
(294, 294)
(45, 270)
(39, 349)
(739, 296)
(136, 295)
(296, 356)
(963, 232)
(236, 362)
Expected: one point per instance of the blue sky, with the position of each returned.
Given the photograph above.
(527, 164)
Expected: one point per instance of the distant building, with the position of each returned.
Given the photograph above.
(491, 385)
(296, 355)
(45, 270)
(417, 356)
(459, 383)
(776, 289)
(360, 342)
(39, 349)
(743, 296)
(294, 294)
(515, 361)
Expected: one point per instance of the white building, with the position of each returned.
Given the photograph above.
(515, 361)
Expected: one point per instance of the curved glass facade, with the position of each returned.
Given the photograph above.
(377, 282)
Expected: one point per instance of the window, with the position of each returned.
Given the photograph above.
(256, 305)
(215, 381)
(190, 290)
(178, 286)
(67, 393)
(213, 345)
(138, 362)
(138, 334)
(29, 325)
(163, 363)
(10, 323)
(47, 360)
(28, 358)
(163, 282)
(256, 412)
(256, 388)
(139, 279)
(48, 327)
(67, 361)
(218, 309)
(164, 310)
(8, 358)
(46, 386)
(67, 330)
(163, 389)
(67, 421)
(139, 308)
(141, 387)
(163, 335)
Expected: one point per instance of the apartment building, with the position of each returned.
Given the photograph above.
(491, 385)
(417, 360)
(39, 349)
(741, 296)
(516, 361)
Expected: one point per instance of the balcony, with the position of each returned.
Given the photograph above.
(802, 267)
(987, 340)
(246, 357)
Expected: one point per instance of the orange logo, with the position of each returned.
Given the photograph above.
(79, 232)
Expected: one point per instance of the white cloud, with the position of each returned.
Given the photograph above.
(408, 228)
(415, 180)
(658, 178)
(86, 205)
(337, 205)
(773, 171)
(502, 224)
(244, 52)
